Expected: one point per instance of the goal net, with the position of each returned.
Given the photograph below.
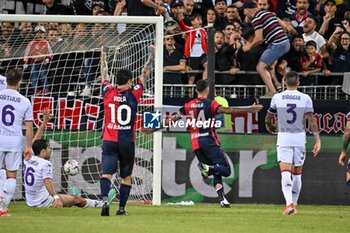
(61, 60)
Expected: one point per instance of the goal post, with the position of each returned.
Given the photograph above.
(77, 118)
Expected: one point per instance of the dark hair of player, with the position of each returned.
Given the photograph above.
(201, 85)
(39, 145)
(123, 76)
(13, 76)
(292, 78)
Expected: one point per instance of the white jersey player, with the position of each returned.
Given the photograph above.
(14, 110)
(3, 83)
(39, 188)
(291, 108)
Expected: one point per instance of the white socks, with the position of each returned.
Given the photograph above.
(287, 186)
(2, 180)
(296, 187)
(9, 190)
(93, 203)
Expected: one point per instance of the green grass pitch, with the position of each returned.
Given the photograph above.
(180, 219)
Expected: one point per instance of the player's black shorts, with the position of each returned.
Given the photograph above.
(112, 152)
(212, 155)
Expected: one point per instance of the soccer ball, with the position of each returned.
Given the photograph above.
(71, 167)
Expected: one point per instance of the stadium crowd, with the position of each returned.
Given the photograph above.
(318, 31)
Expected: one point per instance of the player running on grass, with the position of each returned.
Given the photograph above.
(204, 140)
(291, 107)
(39, 188)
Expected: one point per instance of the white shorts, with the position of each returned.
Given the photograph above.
(48, 203)
(12, 160)
(291, 154)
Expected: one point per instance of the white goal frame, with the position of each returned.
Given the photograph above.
(158, 88)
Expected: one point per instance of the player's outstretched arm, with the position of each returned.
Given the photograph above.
(51, 189)
(29, 140)
(146, 70)
(346, 140)
(232, 110)
(104, 67)
(268, 123)
(316, 131)
(47, 118)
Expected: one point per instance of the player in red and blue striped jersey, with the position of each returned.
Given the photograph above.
(200, 114)
(342, 157)
(120, 106)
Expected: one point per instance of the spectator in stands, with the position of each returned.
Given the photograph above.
(211, 19)
(143, 8)
(310, 33)
(92, 58)
(189, 5)
(36, 58)
(6, 40)
(339, 44)
(223, 53)
(83, 7)
(295, 53)
(220, 9)
(268, 29)
(55, 8)
(54, 40)
(329, 20)
(310, 63)
(232, 14)
(238, 27)
(301, 13)
(173, 60)
(97, 7)
(264, 5)
(285, 8)
(229, 28)
(24, 36)
(64, 30)
(196, 45)
(249, 60)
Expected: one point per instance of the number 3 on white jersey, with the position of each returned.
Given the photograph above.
(121, 108)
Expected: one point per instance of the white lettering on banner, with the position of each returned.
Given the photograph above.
(248, 162)
(170, 187)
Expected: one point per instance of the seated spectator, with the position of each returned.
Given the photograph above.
(55, 8)
(36, 58)
(310, 63)
(196, 45)
(329, 20)
(173, 60)
(339, 44)
(310, 33)
(301, 13)
(295, 53)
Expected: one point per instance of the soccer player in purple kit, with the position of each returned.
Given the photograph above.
(120, 106)
(204, 139)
